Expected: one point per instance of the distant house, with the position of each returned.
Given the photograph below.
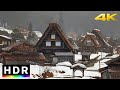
(89, 45)
(55, 45)
(105, 46)
(112, 71)
(73, 43)
(5, 41)
(21, 53)
(23, 30)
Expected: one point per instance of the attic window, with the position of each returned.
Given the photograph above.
(53, 36)
(89, 43)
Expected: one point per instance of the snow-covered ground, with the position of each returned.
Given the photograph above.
(35, 69)
(63, 71)
(68, 73)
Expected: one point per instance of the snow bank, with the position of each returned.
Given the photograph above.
(113, 56)
(78, 57)
(93, 56)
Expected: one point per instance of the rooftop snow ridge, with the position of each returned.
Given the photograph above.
(90, 33)
(5, 37)
(4, 29)
(97, 29)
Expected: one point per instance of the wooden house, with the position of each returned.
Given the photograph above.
(112, 71)
(54, 44)
(89, 45)
(105, 46)
(21, 53)
(5, 41)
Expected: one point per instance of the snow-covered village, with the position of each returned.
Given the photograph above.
(55, 54)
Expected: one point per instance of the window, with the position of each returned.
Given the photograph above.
(53, 43)
(53, 36)
(58, 43)
(48, 43)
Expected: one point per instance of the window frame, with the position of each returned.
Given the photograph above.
(57, 44)
(48, 45)
(53, 36)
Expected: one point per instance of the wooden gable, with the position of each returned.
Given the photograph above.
(58, 36)
(90, 40)
(100, 37)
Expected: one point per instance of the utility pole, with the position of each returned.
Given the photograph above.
(100, 59)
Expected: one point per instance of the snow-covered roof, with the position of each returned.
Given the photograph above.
(25, 37)
(102, 65)
(80, 65)
(5, 37)
(38, 33)
(79, 56)
(105, 60)
(113, 56)
(7, 30)
(66, 63)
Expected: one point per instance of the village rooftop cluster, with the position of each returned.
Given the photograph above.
(54, 55)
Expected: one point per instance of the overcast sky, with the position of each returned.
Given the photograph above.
(74, 21)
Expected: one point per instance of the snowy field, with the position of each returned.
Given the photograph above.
(38, 70)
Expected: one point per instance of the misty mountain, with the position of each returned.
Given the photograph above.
(73, 21)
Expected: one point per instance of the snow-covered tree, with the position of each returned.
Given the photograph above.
(32, 38)
(30, 27)
(17, 35)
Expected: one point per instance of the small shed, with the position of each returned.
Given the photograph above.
(78, 66)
